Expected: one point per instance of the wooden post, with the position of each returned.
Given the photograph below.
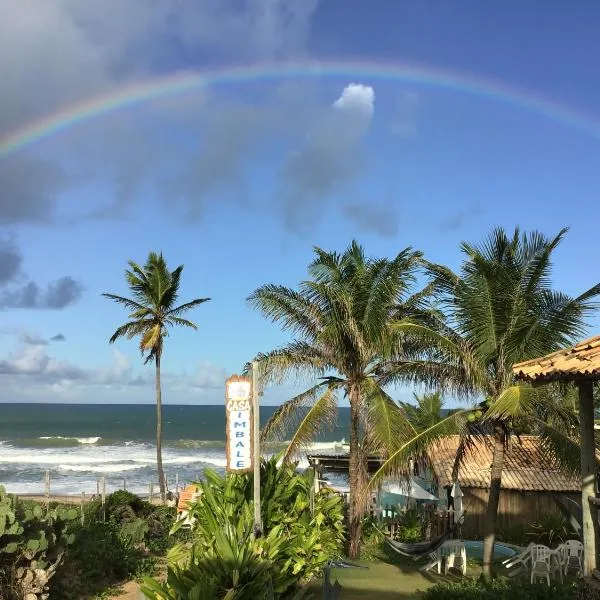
(82, 512)
(124, 484)
(103, 494)
(98, 488)
(151, 494)
(177, 482)
(256, 447)
(47, 490)
(589, 520)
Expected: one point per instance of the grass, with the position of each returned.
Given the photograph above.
(388, 577)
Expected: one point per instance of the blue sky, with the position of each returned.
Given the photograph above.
(239, 181)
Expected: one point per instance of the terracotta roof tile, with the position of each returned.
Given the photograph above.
(526, 466)
(580, 361)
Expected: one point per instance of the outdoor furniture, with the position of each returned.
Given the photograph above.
(572, 555)
(541, 563)
(450, 551)
(435, 560)
(557, 562)
(522, 561)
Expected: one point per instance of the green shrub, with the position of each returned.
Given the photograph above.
(551, 530)
(515, 534)
(301, 532)
(498, 589)
(33, 541)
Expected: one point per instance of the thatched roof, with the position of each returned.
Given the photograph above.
(526, 466)
(579, 362)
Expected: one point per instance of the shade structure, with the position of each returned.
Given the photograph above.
(409, 489)
(579, 364)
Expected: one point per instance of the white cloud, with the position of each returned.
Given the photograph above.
(330, 159)
(31, 371)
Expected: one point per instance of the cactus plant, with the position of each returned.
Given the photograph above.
(32, 545)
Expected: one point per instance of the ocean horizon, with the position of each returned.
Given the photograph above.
(80, 443)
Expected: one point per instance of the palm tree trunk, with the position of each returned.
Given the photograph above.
(491, 515)
(356, 469)
(159, 463)
(589, 521)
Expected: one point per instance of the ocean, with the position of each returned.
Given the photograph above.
(79, 444)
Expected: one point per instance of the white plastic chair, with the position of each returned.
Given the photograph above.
(541, 563)
(451, 550)
(573, 555)
(557, 562)
(521, 560)
(435, 560)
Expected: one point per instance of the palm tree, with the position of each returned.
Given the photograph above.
(342, 320)
(500, 309)
(426, 411)
(154, 290)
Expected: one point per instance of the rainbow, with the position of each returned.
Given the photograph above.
(178, 83)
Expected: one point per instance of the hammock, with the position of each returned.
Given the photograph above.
(417, 550)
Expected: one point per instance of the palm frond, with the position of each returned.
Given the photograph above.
(418, 445)
(388, 423)
(514, 402)
(317, 418)
(131, 329)
(187, 306)
(282, 421)
(127, 302)
(180, 322)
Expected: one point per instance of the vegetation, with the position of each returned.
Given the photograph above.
(154, 309)
(498, 589)
(127, 542)
(426, 411)
(33, 542)
(344, 322)
(500, 309)
(301, 532)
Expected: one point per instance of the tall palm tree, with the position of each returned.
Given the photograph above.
(426, 411)
(500, 309)
(342, 321)
(153, 305)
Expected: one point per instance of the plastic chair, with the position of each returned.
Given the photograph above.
(521, 560)
(572, 555)
(451, 550)
(557, 562)
(435, 560)
(541, 563)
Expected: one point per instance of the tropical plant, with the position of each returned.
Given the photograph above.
(301, 532)
(343, 322)
(426, 411)
(154, 309)
(500, 309)
(33, 541)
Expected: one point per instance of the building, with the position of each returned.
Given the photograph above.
(532, 485)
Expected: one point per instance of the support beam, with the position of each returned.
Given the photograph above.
(588, 476)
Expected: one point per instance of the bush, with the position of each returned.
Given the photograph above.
(32, 546)
(551, 530)
(124, 544)
(301, 532)
(498, 589)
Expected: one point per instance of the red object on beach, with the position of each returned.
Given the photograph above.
(186, 495)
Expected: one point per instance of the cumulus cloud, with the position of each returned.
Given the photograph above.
(330, 157)
(59, 337)
(17, 291)
(34, 363)
(380, 219)
(31, 366)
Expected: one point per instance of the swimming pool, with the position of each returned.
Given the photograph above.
(475, 550)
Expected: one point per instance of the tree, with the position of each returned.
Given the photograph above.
(343, 323)
(499, 310)
(153, 305)
(426, 411)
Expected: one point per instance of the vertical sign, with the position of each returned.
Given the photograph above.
(238, 410)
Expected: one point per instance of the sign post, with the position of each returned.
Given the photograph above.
(256, 447)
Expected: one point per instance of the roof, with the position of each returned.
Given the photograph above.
(579, 362)
(526, 466)
(339, 463)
